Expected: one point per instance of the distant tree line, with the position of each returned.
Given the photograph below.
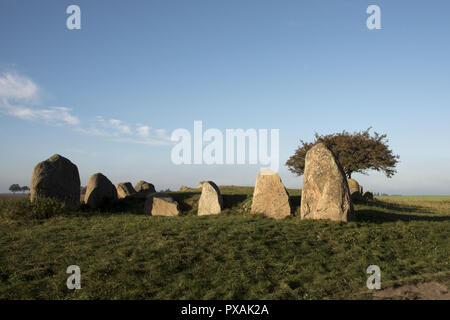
(378, 194)
(17, 188)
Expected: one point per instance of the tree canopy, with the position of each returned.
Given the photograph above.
(15, 188)
(357, 152)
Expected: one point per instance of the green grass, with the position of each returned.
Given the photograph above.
(124, 254)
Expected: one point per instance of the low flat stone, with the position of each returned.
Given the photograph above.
(161, 204)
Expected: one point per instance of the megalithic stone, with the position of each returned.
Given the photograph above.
(325, 191)
(210, 200)
(57, 177)
(270, 197)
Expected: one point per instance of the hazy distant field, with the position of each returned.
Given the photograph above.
(125, 254)
(415, 198)
(10, 196)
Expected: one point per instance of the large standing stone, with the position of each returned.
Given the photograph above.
(124, 190)
(355, 188)
(99, 190)
(58, 178)
(210, 200)
(270, 197)
(161, 205)
(325, 192)
(144, 186)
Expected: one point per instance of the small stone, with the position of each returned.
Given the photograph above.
(144, 186)
(124, 190)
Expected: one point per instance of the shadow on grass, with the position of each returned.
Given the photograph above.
(375, 211)
(231, 200)
(186, 200)
(120, 206)
(395, 206)
(295, 202)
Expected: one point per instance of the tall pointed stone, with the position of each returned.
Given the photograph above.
(325, 192)
(210, 200)
(270, 197)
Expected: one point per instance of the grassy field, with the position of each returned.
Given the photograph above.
(124, 254)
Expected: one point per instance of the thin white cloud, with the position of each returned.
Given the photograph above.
(116, 130)
(106, 128)
(162, 134)
(93, 131)
(143, 131)
(53, 115)
(19, 94)
(119, 126)
(16, 87)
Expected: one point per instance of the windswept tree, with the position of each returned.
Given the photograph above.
(15, 188)
(357, 152)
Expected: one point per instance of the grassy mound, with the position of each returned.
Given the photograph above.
(124, 254)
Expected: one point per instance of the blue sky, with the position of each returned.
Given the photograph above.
(109, 95)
